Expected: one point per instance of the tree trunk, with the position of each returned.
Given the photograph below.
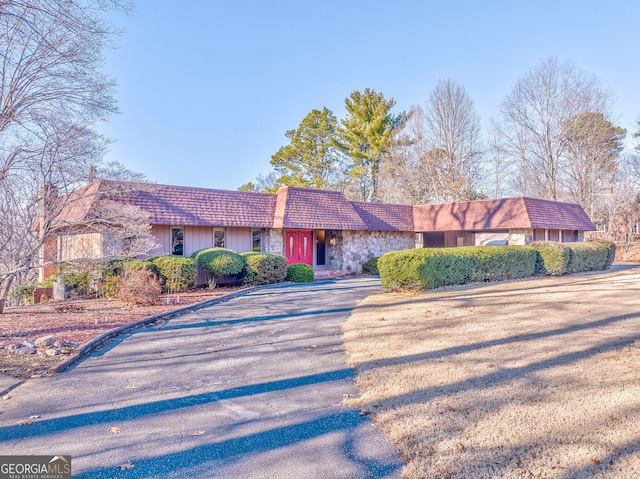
(5, 286)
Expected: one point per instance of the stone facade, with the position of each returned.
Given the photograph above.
(274, 241)
(359, 246)
(520, 237)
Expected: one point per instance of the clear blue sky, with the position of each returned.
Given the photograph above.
(207, 89)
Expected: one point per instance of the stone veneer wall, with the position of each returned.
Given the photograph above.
(520, 237)
(359, 246)
(274, 241)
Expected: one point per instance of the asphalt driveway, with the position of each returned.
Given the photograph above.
(247, 388)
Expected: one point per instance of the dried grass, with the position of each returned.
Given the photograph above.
(534, 379)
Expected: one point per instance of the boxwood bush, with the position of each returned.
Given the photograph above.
(370, 267)
(553, 257)
(263, 268)
(496, 263)
(219, 262)
(178, 273)
(429, 268)
(589, 256)
(300, 273)
(425, 268)
(611, 251)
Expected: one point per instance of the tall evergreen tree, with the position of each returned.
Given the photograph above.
(310, 158)
(364, 135)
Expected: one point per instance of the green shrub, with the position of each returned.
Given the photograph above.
(263, 268)
(219, 262)
(426, 268)
(370, 267)
(24, 293)
(589, 256)
(497, 263)
(178, 273)
(137, 265)
(48, 282)
(77, 283)
(300, 273)
(611, 251)
(110, 286)
(553, 257)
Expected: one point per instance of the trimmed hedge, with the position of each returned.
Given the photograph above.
(300, 273)
(220, 261)
(496, 263)
(178, 273)
(590, 256)
(553, 257)
(370, 267)
(263, 268)
(429, 268)
(425, 268)
(610, 246)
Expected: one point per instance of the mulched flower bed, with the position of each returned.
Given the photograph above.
(75, 322)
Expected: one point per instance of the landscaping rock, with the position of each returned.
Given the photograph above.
(26, 350)
(12, 348)
(28, 344)
(45, 341)
(52, 352)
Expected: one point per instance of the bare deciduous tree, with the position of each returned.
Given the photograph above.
(536, 119)
(452, 130)
(437, 157)
(52, 91)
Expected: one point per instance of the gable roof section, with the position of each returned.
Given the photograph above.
(75, 206)
(501, 214)
(385, 216)
(556, 215)
(305, 208)
(181, 205)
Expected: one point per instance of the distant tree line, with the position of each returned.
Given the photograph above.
(554, 136)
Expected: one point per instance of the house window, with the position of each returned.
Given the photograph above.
(218, 238)
(177, 241)
(256, 240)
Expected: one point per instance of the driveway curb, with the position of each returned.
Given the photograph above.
(91, 345)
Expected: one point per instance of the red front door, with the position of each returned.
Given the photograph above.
(298, 247)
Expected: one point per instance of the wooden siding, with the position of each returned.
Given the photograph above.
(539, 234)
(80, 246)
(554, 235)
(197, 238)
(451, 238)
(569, 236)
(162, 235)
(238, 239)
(433, 239)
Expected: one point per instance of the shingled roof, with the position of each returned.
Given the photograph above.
(303, 208)
(501, 214)
(306, 208)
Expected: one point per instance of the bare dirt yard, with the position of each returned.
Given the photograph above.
(528, 379)
(75, 322)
